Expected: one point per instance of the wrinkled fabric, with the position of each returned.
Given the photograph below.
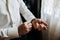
(15, 7)
(50, 13)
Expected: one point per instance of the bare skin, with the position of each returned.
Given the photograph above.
(37, 24)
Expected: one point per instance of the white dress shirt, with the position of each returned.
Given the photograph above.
(15, 8)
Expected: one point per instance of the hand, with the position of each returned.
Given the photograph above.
(39, 24)
(24, 28)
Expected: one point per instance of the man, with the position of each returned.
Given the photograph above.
(11, 25)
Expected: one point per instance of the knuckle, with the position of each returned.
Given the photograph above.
(27, 30)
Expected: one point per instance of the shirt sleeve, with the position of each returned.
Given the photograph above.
(26, 13)
(11, 32)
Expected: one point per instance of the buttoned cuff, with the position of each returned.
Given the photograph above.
(13, 32)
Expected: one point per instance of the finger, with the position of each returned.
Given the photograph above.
(43, 27)
(28, 30)
(44, 23)
(36, 25)
(29, 25)
(40, 27)
(41, 22)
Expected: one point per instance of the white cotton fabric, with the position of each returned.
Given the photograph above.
(15, 8)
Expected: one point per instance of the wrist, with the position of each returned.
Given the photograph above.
(33, 20)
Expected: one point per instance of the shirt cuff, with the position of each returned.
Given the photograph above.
(13, 32)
